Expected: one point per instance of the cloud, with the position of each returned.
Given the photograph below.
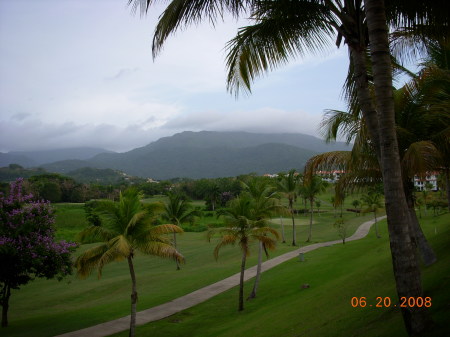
(35, 135)
(265, 120)
(20, 116)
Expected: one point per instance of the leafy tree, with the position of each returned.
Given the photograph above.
(288, 184)
(341, 227)
(51, 191)
(178, 210)
(126, 229)
(28, 249)
(242, 228)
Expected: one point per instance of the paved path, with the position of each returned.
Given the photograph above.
(203, 294)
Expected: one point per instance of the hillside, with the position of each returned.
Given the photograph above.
(36, 158)
(213, 162)
(208, 154)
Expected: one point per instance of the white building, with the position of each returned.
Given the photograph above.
(330, 176)
(420, 182)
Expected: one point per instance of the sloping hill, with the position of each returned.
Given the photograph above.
(35, 158)
(209, 155)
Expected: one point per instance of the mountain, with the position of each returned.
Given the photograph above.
(11, 158)
(209, 154)
(207, 139)
(36, 158)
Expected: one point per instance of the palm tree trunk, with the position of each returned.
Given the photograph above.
(376, 224)
(291, 206)
(406, 270)
(310, 221)
(133, 298)
(447, 185)
(241, 282)
(304, 203)
(175, 245)
(6, 294)
(364, 96)
(419, 239)
(282, 230)
(258, 272)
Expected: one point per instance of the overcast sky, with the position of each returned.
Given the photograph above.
(80, 73)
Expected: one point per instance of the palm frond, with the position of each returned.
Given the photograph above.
(328, 161)
(419, 158)
(268, 243)
(182, 13)
(161, 249)
(119, 249)
(165, 229)
(88, 260)
(95, 233)
(337, 123)
(266, 230)
(282, 30)
(225, 240)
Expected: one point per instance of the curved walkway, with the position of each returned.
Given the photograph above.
(203, 294)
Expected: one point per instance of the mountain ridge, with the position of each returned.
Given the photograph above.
(208, 154)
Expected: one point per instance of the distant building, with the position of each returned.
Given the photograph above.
(330, 176)
(420, 182)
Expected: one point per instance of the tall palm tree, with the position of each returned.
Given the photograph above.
(288, 185)
(310, 188)
(177, 210)
(126, 230)
(265, 204)
(406, 271)
(241, 228)
(422, 130)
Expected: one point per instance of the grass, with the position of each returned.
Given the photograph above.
(336, 274)
(73, 304)
(70, 220)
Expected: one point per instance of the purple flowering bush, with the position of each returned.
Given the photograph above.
(27, 244)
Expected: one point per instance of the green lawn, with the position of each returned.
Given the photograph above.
(70, 220)
(336, 274)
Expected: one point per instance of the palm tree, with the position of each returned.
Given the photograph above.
(356, 204)
(334, 204)
(265, 203)
(288, 185)
(177, 210)
(406, 271)
(421, 124)
(126, 230)
(310, 188)
(213, 194)
(318, 204)
(241, 228)
(372, 200)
